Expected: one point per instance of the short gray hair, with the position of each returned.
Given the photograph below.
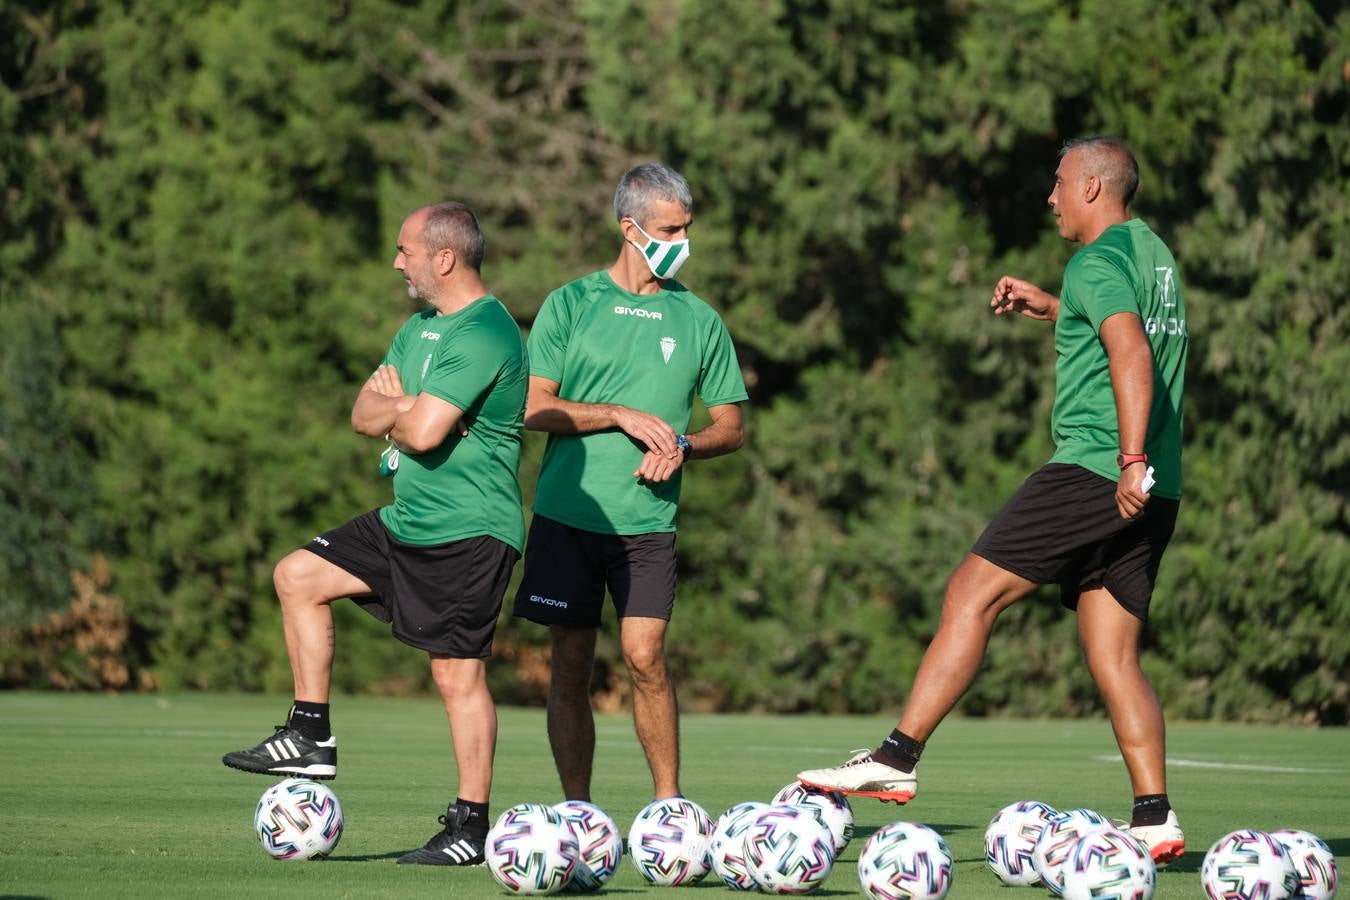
(1109, 159)
(453, 226)
(643, 185)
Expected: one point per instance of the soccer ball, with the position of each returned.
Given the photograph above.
(1108, 865)
(1313, 861)
(1057, 839)
(905, 861)
(834, 810)
(598, 844)
(668, 842)
(298, 819)
(727, 846)
(788, 850)
(1010, 841)
(532, 850)
(1248, 863)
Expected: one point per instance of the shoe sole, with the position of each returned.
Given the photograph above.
(1167, 851)
(317, 772)
(899, 798)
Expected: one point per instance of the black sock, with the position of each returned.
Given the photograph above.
(899, 751)
(1150, 809)
(311, 720)
(477, 824)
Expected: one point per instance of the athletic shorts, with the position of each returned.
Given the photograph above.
(442, 598)
(567, 570)
(1062, 527)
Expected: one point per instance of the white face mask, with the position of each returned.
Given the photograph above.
(664, 258)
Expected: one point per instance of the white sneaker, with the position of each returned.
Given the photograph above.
(1165, 842)
(864, 777)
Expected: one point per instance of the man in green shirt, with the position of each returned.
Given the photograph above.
(1097, 518)
(616, 358)
(449, 398)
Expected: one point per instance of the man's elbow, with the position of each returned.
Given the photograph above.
(421, 440)
(735, 439)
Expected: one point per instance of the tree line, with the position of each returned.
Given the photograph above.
(201, 202)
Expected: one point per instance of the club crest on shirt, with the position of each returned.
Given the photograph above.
(667, 347)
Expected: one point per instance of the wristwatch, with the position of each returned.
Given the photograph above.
(1129, 459)
(683, 444)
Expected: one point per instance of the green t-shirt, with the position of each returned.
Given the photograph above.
(1127, 269)
(466, 487)
(603, 344)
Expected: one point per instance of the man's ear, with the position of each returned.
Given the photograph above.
(445, 262)
(1092, 188)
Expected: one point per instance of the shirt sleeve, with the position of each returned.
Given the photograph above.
(547, 344)
(397, 347)
(465, 367)
(1103, 288)
(719, 377)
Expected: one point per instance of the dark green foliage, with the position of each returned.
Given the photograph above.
(199, 214)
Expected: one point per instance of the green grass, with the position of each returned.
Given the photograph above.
(124, 796)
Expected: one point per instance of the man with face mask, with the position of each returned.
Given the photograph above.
(615, 360)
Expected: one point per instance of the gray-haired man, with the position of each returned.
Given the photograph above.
(615, 360)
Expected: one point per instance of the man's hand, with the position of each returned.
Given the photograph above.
(386, 382)
(1130, 494)
(652, 431)
(1015, 295)
(656, 467)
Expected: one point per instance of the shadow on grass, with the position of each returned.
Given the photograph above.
(367, 857)
(944, 829)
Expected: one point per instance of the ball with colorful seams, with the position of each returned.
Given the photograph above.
(1010, 841)
(1314, 863)
(668, 842)
(599, 845)
(1108, 865)
(298, 819)
(532, 850)
(726, 848)
(905, 861)
(1058, 837)
(788, 850)
(1245, 864)
(833, 806)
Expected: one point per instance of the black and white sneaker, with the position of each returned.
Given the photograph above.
(451, 846)
(288, 752)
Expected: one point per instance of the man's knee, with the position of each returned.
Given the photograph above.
(646, 664)
(294, 575)
(459, 679)
(573, 656)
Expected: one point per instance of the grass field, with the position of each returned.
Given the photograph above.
(125, 796)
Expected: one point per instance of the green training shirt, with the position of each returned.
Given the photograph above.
(651, 352)
(1127, 269)
(466, 487)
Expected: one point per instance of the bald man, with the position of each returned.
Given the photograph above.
(1097, 517)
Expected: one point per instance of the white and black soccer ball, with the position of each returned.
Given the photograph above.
(1248, 863)
(599, 845)
(727, 845)
(788, 850)
(1058, 837)
(1108, 865)
(834, 808)
(905, 861)
(668, 842)
(531, 850)
(298, 819)
(1010, 841)
(1314, 863)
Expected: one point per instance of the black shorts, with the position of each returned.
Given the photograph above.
(442, 598)
(1062, 527)
(567, 570)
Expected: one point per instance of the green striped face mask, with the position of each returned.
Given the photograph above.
(664, 258)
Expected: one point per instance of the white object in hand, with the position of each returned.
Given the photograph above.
(1147, 484)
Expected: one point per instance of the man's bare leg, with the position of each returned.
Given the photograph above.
(571, 724)
(977, 592)
(1110, 639)
(473, 722)
(655, 711)
(306, 586)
